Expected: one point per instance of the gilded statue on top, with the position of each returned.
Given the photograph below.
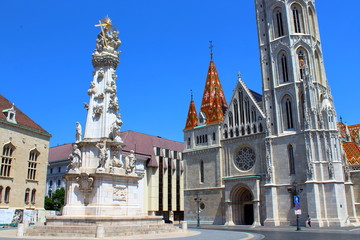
(108, 39)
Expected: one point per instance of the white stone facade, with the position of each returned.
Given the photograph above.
(282, 145)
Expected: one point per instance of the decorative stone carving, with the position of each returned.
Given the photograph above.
(116, 162)
(111, 87)
(86, 185)
(78, 135)
(310, 166)
(130, 162)
(75, 160)
(120, 193)
(92, 89)
(100, 74)
(268, 161)
(103, 154)
(86, 106)
(115, 128)
(99, 96)
(114, 76)
(98, 110)
(113, 104)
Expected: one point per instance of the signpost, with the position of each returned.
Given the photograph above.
(297, 211)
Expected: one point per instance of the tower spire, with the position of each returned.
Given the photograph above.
(192, 119)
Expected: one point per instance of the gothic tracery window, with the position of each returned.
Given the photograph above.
(278, 23)
(245, 159)
(288, 113)
(297, 18)
(201, 171)
(6, 160)
(283, 67)
(291, 159)
(32, 164)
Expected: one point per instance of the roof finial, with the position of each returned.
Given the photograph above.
(191, 92)
(211, 50)
(341, 119)
(239, 74)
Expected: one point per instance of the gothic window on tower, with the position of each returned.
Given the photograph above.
(32, 164)
(297, 18)
(302, 61)
(283, 67)
(201, 171)
(288, 113)
(225, 131)
(6, 160)
(291, 159)
(236, 112)
(278, 23)
(312, 23)
(318, 68)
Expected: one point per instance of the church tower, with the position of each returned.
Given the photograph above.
(303, 152)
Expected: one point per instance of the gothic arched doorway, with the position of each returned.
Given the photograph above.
(242, 205)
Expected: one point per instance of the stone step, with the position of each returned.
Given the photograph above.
(90, 231)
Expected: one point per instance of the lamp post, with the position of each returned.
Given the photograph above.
(198, 200)
(295, 194)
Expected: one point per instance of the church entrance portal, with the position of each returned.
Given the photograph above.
(242, 206)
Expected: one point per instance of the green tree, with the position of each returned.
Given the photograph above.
(56, 201)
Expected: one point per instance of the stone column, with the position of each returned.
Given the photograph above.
(229, 215)
(256, 214)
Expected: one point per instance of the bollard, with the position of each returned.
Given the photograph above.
(100, 231)
(184, 226)
(20, 230)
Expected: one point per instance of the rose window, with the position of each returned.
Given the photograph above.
(245, 159)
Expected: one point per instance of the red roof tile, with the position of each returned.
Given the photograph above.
(21, 118)
(192, 119)
(354, 132)
(352, 151)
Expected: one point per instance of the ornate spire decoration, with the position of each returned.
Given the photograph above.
(192, 119)
(213, 88)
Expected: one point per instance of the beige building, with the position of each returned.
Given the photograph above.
(24, 155)
(163, 180)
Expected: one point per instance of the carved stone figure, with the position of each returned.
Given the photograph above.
(78, 135)
(114, 105)
(103, 155)
(86, 185)
(92, 89)
(130, 162)
(97, 110)
(75, 159)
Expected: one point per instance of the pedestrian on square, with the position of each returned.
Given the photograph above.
(309, 221)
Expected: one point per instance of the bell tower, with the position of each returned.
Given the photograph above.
(302, 145)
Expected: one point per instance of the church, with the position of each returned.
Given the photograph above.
(277, 157)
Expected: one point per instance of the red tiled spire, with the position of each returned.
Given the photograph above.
(216, 113)
(212, 91)
(352, 152)
(192, 119)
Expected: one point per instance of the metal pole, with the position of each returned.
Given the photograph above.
(198, 200)
(298, 223)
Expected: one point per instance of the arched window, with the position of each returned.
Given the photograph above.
(7, 195)
(58, 183)
(288, 114)
(236, 112)
(260, 127)
(278, 23)
(27, 196)
(318, 68)
(241, 102)
(32, 164)
(201, 171)
(302, 60)
(291, 159)
(1, 189)
(6, 160)
(33, 196)
(283, 67)
(312, 23)
(253, 114)
(231, 119)
(247, 109)
(297, 18)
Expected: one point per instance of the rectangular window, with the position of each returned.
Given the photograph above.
(161, 184)
(32, 164)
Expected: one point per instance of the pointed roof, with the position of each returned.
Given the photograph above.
(192, 119)
(213, 90)
(216, 113)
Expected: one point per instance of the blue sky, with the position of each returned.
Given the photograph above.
(46, 49)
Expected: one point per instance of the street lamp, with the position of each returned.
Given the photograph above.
(198, 200)
(295, 194)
